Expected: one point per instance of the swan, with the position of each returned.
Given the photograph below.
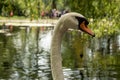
(67, 21)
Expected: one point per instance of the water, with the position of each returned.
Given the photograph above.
(25, 55)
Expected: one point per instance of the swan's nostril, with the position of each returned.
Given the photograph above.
(93, 35)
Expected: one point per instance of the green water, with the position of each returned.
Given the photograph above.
(25, 55)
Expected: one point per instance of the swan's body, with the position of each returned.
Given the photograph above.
(69, 20)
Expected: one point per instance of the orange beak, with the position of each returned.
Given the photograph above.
(85, 28)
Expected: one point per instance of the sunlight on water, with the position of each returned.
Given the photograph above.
(46, 41)
(119, 41)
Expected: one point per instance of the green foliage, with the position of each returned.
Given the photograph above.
(104, 13)
(24, 7)
(104, 27)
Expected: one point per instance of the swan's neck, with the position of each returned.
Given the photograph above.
(56, 60)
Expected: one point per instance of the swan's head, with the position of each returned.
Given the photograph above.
(83, 26)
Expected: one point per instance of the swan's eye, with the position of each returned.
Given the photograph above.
(86, 23)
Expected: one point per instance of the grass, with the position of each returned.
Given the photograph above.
(14, 18)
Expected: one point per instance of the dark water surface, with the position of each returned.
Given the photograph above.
(25, 55)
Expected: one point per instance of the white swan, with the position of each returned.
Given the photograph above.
(70, 20)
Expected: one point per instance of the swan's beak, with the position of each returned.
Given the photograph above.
(85, 29)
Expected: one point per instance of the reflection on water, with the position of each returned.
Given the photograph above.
(25, 55)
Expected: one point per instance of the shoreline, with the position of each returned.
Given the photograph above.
(25, 22)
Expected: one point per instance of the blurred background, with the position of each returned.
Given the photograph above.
(26, 28)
